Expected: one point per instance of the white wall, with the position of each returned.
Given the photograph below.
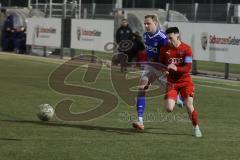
(222, 41)
(91, 34)
(44, 32)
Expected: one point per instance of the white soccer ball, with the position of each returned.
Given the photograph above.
(45, 112)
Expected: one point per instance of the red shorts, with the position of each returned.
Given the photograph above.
(186, 89)
(142, 56)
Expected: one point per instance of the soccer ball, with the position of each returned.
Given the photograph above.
(45, 112)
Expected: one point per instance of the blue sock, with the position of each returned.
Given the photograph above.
(180, 100)
(141, 103)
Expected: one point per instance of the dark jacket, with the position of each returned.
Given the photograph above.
(123, 33)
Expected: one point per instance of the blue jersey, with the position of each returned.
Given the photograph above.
(153, 42)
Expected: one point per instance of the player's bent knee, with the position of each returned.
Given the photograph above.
(169, 110)
(189, 101)
(169, 105)
(143, 85)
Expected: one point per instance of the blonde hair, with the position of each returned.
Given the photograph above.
(154, 17)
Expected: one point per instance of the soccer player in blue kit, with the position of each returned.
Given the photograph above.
(154, 39)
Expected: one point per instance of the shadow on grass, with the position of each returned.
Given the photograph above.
(123, 131)
(9, 139)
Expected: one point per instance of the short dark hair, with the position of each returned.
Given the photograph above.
(172, 30)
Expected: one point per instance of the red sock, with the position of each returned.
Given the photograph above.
(194, 117)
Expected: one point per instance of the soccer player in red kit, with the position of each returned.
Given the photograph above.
(177, 56)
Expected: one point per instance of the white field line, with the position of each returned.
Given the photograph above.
(4, 55)
(61, 61)
(221, 88)
(214, 82)
(212, 79)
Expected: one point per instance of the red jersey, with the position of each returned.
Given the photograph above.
(181, 57)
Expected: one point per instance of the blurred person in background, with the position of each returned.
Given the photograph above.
(19, 39)
(124, 41)
(7, 34)
(138, 49)
(124, 38)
